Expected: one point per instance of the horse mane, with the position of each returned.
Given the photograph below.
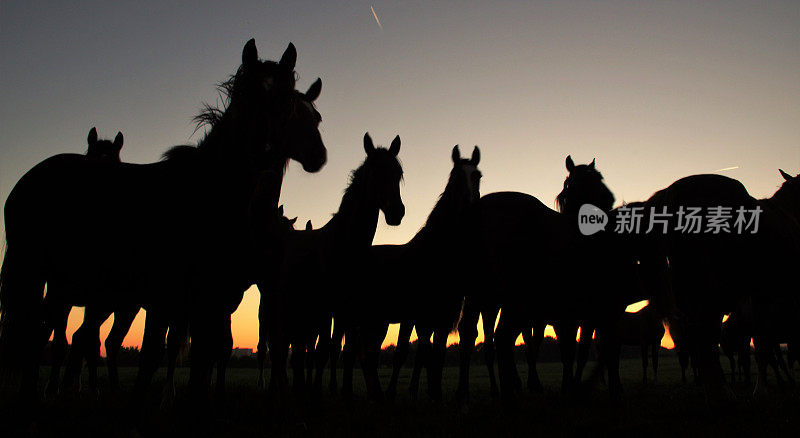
(180, 152)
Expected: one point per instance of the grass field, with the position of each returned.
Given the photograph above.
(666, 408)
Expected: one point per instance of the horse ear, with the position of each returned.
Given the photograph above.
(785, 175)
(250, 53)
(476, 156)
(118, 141)
(456, 154)
(395, 147)
(313, 91)
(591, 165)
(92, 139)
(292, 221)
(289, 58)
(369, 147)
(570, 164)
(309, 227)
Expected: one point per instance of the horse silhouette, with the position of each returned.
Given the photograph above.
(422, 271)
(711, 273)
(171, 236)
(328, 258)
(520, 239)
(103, 151)
(628, 329)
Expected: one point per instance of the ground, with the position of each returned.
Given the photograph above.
(666, 408)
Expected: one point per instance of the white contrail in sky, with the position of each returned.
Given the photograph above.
(726, 168)
(376, 16)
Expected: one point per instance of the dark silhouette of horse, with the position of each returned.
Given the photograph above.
(56, 316)
(538, 267)
(421, 292)
(628, 329)
(328, 259)
(711, 273)
(172, 236)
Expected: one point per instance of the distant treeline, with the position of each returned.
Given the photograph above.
(549, 352)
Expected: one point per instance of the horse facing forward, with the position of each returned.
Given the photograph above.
(171, 236)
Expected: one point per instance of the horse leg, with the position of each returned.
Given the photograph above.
(533, 343)
(371, 341)
(311, 351)
(683, 361)
(489, 316)
(225, 347)
(155, 330)
(336, 351)
(57, 317)
(504, 341)
(467, 332)
(656, 347)
(644, 362)
(122, 324)
(584, 346)
(297, 361)
(176, 341)
(261, 355)
(72, 372)
(566, 331)
(93, 347)
(322, 352)
(783, 367)
(436, 363)
(400, 356)
(421, 358)
(351, 346)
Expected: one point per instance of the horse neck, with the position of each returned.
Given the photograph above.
(782, 200)
(227, 171)
(444, 220)
(354, 225)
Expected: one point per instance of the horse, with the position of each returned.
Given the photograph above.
(712, 271)
(519, 239)
(101, 151)
(185, 220)
(422, 274)
(297, 306)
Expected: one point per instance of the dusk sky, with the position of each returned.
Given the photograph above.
(653, 90)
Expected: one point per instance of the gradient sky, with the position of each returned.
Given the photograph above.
(654, 90)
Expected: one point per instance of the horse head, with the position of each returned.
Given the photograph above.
(789, 194)
(279, 122)
(104, 150)
(465, 178)
(583, 185)
(384, 174)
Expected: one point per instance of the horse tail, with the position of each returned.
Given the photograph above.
(21, 325)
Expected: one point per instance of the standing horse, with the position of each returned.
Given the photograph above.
(711, 272)
(171, 236)
(539, 267)
(101, 151)
(333, 254)
(422, 292)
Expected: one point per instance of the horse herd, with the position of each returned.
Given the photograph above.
(184, 238)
